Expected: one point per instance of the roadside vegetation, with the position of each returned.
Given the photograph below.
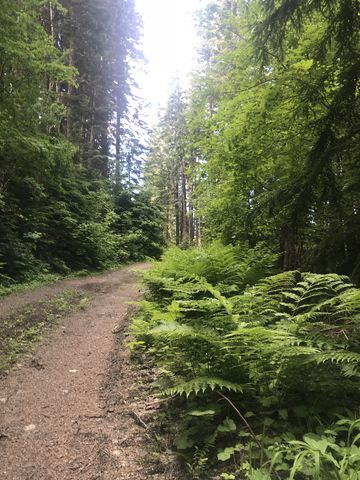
(257, 342)
(261, 370)
(21, 330)
(12, 286)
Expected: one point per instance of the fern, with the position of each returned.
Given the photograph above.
(217, 264)
(289, 342)
(201, 384)
(338, 357)
(226, 304)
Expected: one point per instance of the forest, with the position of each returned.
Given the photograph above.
(70, 151)
(263, 147)
(247, 189)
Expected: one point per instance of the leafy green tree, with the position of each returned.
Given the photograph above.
(30, 116)
(139, 224)
(273, 117)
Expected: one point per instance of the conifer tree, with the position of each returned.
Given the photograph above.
(66, 86)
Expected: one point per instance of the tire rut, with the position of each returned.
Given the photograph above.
(73, 418)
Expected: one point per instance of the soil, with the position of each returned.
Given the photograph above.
(78, 407)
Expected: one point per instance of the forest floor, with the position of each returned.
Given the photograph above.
(76, 406)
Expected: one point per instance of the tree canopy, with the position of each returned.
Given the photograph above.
(272, 119)
(262, 148)
(65, 150)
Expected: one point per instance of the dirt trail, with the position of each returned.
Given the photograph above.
(69, 414)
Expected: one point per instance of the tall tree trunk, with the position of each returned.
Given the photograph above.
(197, 232)
(184, 224)
(177, 211)
(118, 145)
(70, 87)
(191, 215)
(52, 84)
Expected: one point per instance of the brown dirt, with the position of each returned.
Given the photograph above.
(77, 408)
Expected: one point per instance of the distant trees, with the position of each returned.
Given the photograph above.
(171, 171)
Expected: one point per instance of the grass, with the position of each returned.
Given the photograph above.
(40, 281)
(20, 331)
(49, 278)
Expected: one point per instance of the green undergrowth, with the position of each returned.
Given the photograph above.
(19, 331)
(9, 286)
(18, 287)
(261, 370)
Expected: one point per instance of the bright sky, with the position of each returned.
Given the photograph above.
(169, 44)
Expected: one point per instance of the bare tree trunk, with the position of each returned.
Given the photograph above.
(118, 145)
(51, 16)
(70, 87)
(198, 232)
(191, 214)
(52, 84)
(184, 225)
(191, 225)
(290, 247)
(177, 212)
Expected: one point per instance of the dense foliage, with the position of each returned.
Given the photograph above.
(170, 174)
(258, 344)
(268, 368)
(262, 154)
(65, 145)
(272, 124)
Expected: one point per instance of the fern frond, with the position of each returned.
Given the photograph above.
(207, 305)
(226, 304)
(173, 331)
(350, 370)
(293, 295)
(201, 384)
(338, 357)
(257, 333)
(172, 328)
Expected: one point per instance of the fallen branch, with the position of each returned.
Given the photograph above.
(139, 420)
